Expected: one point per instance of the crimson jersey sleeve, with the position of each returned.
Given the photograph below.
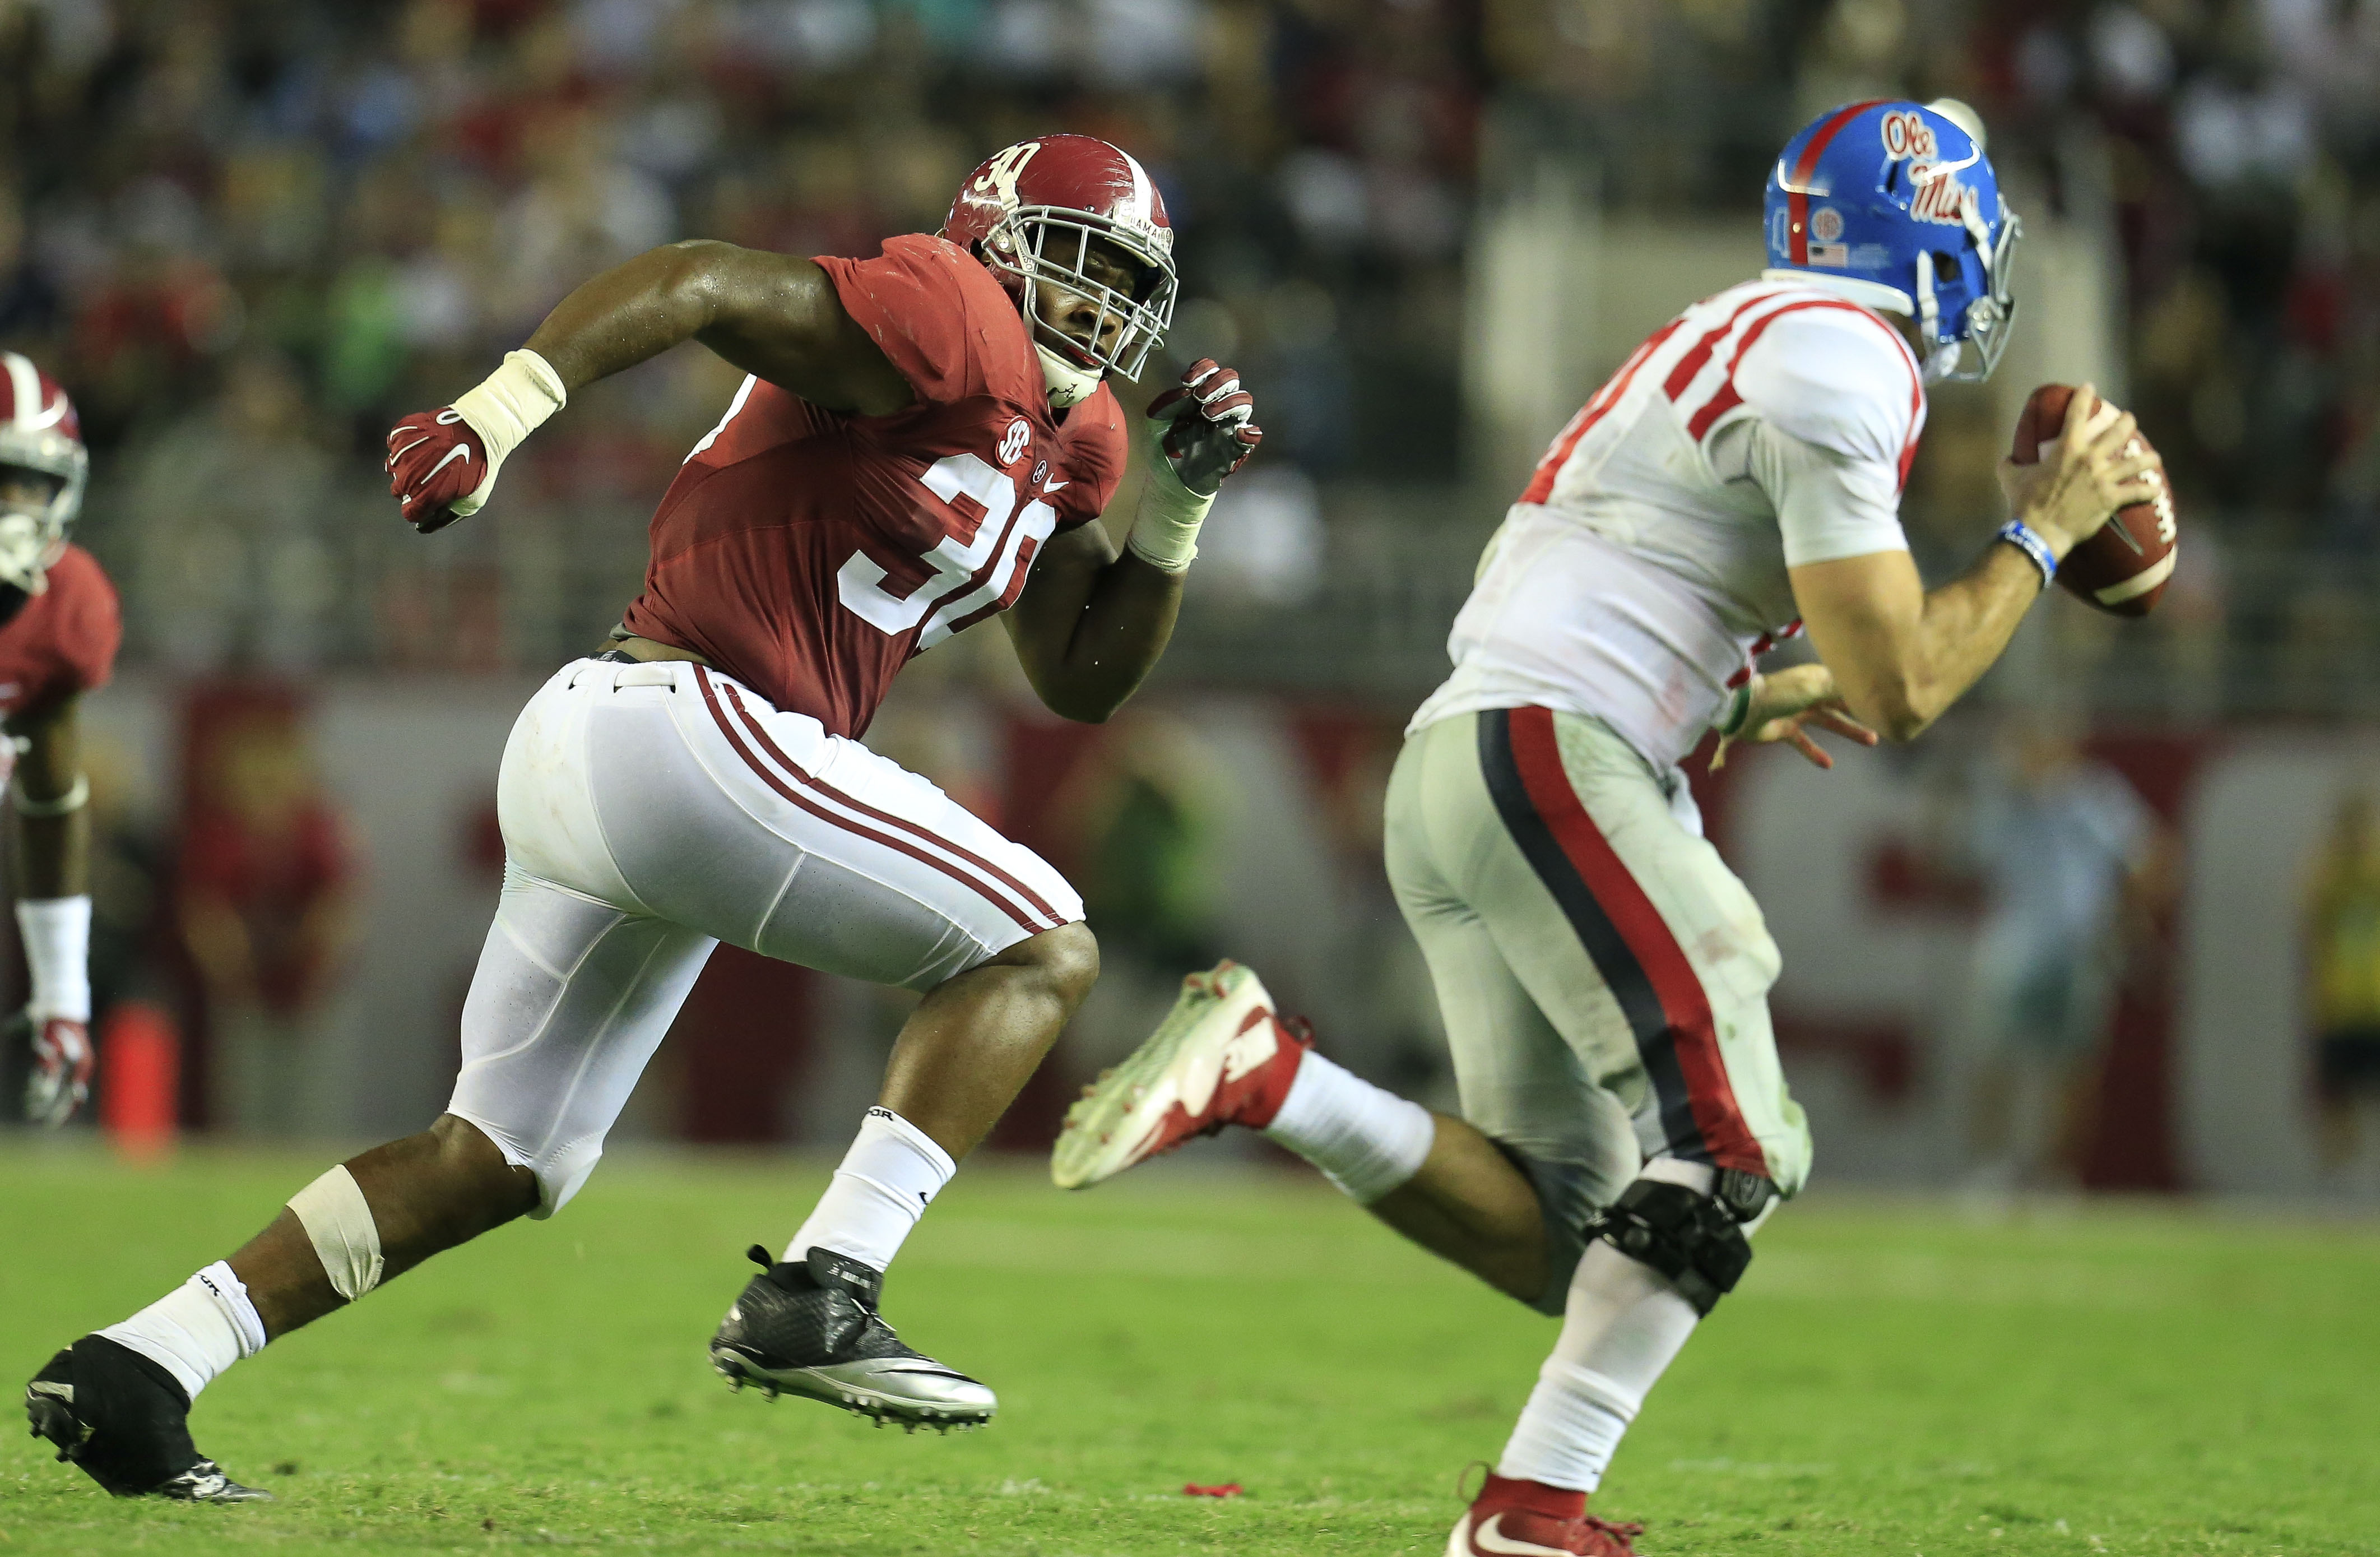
(63, 642)
(939, 317)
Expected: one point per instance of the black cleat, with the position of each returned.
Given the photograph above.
(123, 1419)
(811, 1328)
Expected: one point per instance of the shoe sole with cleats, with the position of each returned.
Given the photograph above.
(1119, 1118)
(844, 1386)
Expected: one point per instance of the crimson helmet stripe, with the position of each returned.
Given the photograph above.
(1797, 190)
(25, 392)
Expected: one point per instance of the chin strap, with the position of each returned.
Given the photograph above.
(1069, 385)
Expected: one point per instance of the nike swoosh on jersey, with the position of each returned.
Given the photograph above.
(1489, 1537)
(1048, 487)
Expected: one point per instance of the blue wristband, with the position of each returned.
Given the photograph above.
(2019, 534)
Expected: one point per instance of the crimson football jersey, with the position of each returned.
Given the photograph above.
(63, 642)
(811, 552)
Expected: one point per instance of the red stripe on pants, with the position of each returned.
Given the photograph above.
(1683, 1005)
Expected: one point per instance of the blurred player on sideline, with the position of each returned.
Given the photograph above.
(1602, 973)
(59, 629)
(925, 440)
(2075, 866)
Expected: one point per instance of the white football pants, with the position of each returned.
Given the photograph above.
(651, 811)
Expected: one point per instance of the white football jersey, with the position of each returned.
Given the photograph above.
(1768, 427)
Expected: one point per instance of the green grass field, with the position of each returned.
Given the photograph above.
(1888, 1380)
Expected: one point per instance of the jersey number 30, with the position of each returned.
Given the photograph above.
(964, 483)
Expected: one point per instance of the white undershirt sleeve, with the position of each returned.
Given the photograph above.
(1828, 504)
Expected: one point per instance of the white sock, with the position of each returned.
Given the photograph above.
(888, 1178)
(196, 1331)
(1624, 1324)
(56, 933)
(1366, 1140)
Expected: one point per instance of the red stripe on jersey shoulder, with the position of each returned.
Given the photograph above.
(1541, 484)
(1726, 398)
(1682, 377)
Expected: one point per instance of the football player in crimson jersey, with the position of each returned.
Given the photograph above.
(59, 630)
(925, 439)
(1603, 977)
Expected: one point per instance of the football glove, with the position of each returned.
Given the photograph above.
(59, 1082)
(1211, 427)
(442, 464)
(436, 465)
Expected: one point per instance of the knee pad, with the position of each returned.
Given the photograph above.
(1695, 1240)
(1566, 1201)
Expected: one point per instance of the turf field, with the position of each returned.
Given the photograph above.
(1890, 1380)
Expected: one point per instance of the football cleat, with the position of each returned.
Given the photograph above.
(1221, 1057)
(810, 1328)
(1530, 1519)
(123, 1419)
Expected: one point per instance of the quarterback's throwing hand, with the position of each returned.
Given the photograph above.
(1212, 429)
(60, 1078)
(1784, 702)
(437, 465)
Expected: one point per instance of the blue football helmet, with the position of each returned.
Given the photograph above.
(1895, 203)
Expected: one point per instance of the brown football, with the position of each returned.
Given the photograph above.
(2124, 567)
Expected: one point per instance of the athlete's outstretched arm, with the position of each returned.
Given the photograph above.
(1091, 625)
(776, 316)
(1901, 656)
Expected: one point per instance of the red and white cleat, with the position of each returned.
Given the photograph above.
(1221, 1057)
(1531, 1519)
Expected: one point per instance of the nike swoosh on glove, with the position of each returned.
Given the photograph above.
(60, 1081)
(1214, 426)
(436, 467)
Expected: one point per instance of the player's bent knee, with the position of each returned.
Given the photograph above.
(499, 1177)
(1068, 957)
(1696, 1238)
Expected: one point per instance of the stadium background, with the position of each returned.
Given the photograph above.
(247, 235)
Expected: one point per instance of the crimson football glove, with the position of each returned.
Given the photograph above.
(435, 462)
(60, 1079)
(1214, 426)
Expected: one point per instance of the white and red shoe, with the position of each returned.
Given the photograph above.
(1221, 1057)
(1531, 1519)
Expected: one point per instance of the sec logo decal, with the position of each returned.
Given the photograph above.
(1013, 442)
(1826, 224)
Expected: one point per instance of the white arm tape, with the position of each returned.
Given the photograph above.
(1165, 525)
(347, 1240)
(509, 404)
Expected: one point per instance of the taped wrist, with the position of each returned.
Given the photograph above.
(339, 1221)
(1697, 1240)
(509, 404)
(1165, 525)
(56, 935)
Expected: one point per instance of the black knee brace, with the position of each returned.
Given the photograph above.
(1695, 1240)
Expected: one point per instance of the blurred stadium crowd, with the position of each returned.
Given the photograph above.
(248, 231)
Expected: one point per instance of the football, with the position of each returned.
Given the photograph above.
(2124, 567)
